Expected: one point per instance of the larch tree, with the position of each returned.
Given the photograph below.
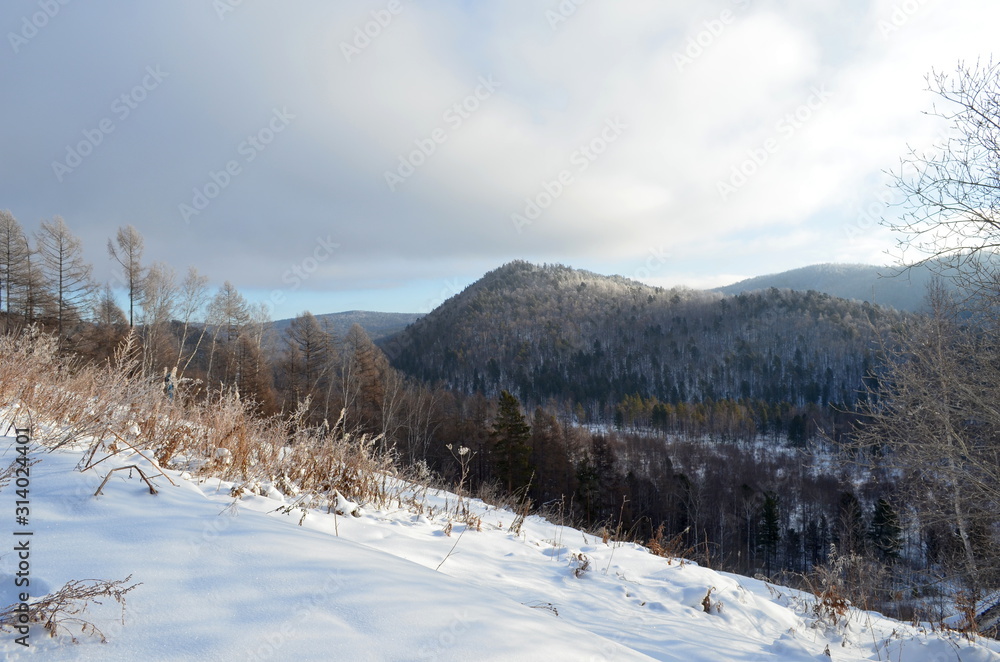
(110, 325)
(15, 255)
(364, 373)
(228, 317)
(126, 249)
(67, 277)
(36, 298)
(307, 360)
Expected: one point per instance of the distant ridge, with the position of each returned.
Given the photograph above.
(376, 325)
(861, 282)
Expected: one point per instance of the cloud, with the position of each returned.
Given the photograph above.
(477, 111)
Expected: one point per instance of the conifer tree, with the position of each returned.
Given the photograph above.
(885, 532)
(770, 529)
(511, 437)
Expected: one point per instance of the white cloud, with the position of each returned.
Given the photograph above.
(688, 126)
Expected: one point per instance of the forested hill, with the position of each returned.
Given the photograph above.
(552, 332)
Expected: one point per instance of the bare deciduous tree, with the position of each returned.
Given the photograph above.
(932, 422)
(192, 298)
(67, 277)
(159, 299)
(228, 315)
(14, 262)
(126, 250)
(934, 418)
(951, 211)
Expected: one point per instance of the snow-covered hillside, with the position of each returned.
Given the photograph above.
(225, 579)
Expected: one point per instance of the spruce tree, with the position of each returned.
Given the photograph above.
(511, 443)
(885, 532)
(770, 529)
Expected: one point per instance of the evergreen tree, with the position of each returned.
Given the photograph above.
(849, 535)
(550, 457)
(885, 532)
(770, 529)
(511, 443)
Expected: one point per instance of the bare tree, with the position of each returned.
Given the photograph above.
(110, 325)
(933, 418)
(228, 315)
(192, 298)
(14, 262)
(67, 277)
(107, 312)
(126, 250)
(307, 360)
(36, 295)
(932, 421)
(951, 211)
(159, 298)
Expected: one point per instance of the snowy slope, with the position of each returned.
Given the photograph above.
(244, 582)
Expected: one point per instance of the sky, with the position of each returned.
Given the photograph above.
(383, 155)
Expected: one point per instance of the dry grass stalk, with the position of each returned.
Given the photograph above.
(58, 611)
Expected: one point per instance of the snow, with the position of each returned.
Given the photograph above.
(224, 579)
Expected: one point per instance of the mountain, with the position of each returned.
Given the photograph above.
(553, 332)
(377, 325)
(886, 286)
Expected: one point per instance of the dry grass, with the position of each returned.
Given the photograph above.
(673, 548)
(63, 611)
(117, 411)
(843, 581)
(114, 411)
